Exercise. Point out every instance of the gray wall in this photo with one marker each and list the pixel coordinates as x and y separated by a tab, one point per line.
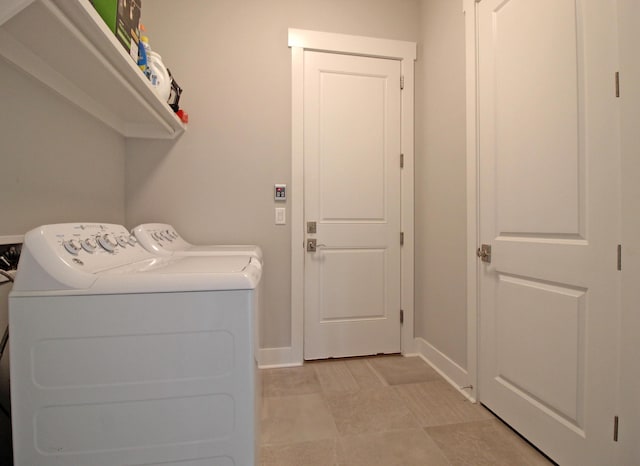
440	180
58	163
231	57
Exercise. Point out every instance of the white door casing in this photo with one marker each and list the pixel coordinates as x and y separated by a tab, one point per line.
352	194
629	409
405	52
549	207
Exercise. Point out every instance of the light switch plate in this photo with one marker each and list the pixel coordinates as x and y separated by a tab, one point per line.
281	216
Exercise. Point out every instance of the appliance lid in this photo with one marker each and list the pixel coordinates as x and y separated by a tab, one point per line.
103	259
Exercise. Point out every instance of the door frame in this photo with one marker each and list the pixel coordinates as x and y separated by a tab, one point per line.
469	8
405	52
629	406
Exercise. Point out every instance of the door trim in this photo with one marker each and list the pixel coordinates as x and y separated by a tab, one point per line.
469	8
629	385
405	52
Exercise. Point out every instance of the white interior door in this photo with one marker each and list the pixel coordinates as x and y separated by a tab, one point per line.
549	208
352	193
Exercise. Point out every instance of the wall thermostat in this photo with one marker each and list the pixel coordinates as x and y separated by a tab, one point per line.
280	192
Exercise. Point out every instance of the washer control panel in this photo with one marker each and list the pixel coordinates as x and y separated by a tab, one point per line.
105	241
89	246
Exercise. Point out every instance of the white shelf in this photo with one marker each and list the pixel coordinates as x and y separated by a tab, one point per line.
66	45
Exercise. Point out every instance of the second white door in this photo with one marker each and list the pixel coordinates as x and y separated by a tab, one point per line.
549	208
352	205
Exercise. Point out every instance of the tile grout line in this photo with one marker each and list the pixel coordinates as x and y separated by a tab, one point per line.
404	402
377	374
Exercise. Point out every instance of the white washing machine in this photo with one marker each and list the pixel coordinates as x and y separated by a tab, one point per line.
121	357
163	239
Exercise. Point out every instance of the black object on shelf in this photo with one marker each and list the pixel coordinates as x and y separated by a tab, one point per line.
174	93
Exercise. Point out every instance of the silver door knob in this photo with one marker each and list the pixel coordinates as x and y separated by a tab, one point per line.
312	245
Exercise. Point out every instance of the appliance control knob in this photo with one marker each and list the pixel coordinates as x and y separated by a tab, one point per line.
167	235
72	246
122	241
132	240
156	236
89	244
107	243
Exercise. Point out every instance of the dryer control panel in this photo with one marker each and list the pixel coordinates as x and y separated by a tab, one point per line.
160	238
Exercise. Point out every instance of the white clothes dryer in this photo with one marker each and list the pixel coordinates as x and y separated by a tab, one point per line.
121	357
163	239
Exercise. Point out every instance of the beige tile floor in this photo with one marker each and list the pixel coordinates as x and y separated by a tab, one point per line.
384	410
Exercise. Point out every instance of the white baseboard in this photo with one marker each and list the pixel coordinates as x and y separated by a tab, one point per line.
445	366
278	357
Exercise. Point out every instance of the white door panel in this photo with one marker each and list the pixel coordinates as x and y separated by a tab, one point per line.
363	269
351	144
352	192
549	207
542	361
536	117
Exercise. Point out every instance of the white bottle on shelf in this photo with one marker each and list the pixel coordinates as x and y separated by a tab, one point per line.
160	79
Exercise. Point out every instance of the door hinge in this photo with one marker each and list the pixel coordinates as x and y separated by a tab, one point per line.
401	316
617	84
401	82
402	238
619	256
401	160
615	428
